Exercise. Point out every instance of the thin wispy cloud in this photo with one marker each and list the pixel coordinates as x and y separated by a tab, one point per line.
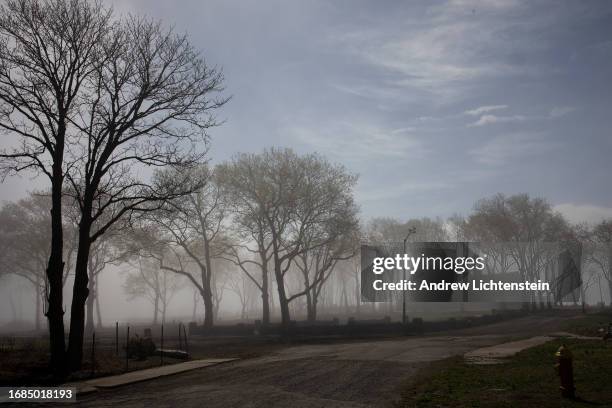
484	109
560	111
492	119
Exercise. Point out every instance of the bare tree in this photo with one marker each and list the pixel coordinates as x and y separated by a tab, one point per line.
25	232
47	50
250	248
601	251
245	290
148	104
220	282
532	234
154	284
316	265
278	198
102	254
24	236
194	224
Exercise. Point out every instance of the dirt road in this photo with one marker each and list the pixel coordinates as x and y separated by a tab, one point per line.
356	374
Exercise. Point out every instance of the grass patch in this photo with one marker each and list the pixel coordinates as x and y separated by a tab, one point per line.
589	324
527	380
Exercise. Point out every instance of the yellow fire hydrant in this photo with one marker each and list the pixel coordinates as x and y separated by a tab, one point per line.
566	371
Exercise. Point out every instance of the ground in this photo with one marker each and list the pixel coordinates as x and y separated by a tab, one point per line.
369	373
528	379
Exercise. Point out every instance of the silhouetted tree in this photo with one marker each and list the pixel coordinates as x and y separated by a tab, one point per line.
48	49
148	104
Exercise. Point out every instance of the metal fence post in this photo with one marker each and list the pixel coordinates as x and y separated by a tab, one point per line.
117	338
179	333
161	349
127	346
93	353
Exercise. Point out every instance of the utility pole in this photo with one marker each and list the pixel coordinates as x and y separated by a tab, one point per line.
411	231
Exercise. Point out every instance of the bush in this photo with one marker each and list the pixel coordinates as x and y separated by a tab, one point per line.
140	348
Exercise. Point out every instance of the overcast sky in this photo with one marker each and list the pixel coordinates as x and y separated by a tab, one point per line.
434	104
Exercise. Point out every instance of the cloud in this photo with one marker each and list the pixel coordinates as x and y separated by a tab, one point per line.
492	119
441	51
512	147
559	111
484	109
579	213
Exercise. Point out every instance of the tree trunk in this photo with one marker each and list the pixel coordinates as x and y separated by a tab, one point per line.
265	291
98	311
243	311
207	295
610	290
310	312
195	306
282	294
79	295
38	304
156	309
357	295
311	307
89	325
55	267
208	307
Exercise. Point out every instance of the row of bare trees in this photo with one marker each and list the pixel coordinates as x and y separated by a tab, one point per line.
91	100
519	233
270	214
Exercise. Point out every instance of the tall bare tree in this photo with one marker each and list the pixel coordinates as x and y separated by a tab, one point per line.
316	265
278	198
25	232
531	232
601	253
195	224
24	236
148	105
48	48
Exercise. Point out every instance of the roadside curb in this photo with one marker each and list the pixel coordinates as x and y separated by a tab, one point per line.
132	377
498	353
